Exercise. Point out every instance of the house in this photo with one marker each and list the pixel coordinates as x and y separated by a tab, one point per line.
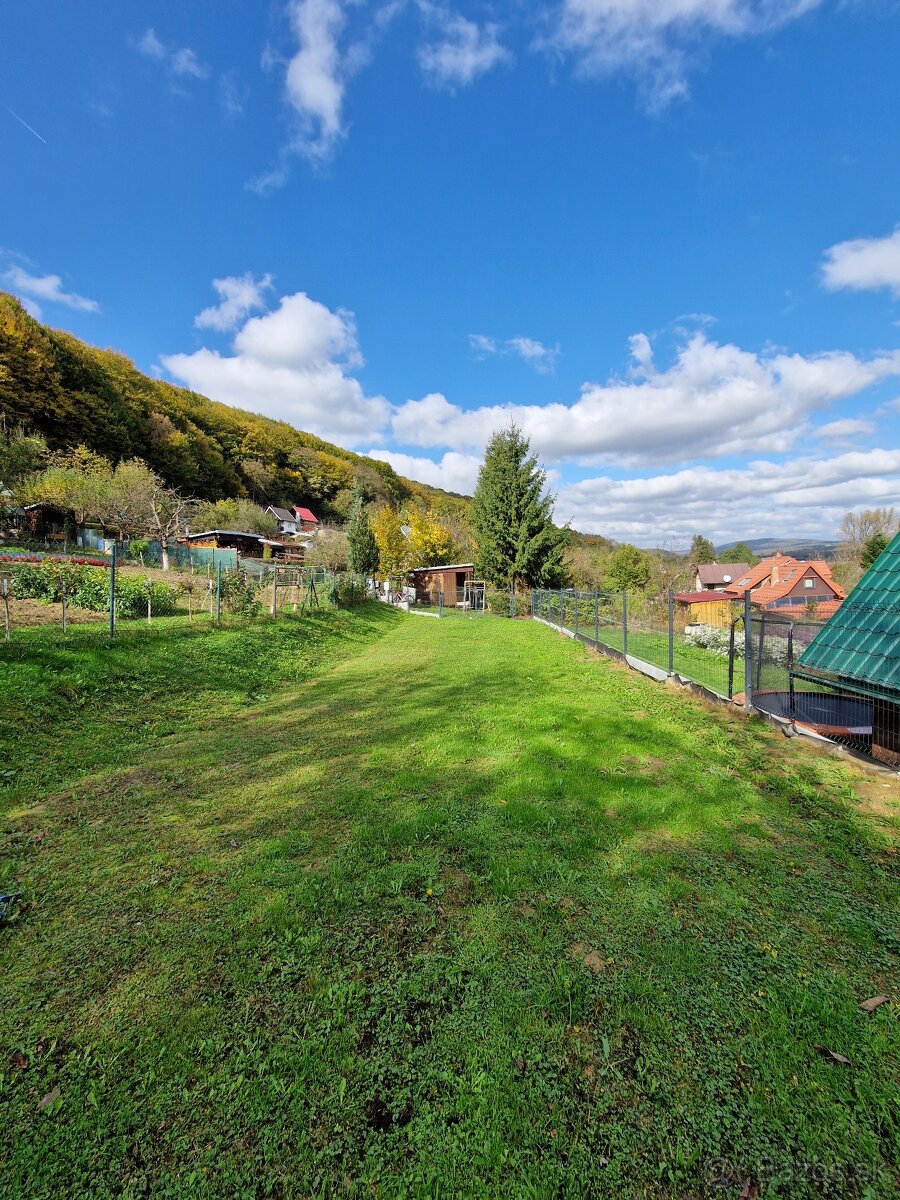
247	545
784	585
286	518
453	582
857	652
706	608
305	519
717	577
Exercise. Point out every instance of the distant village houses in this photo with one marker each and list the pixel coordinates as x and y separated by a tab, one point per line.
779	584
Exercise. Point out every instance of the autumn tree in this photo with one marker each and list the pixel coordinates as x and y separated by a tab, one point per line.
428	542
241	515
517	543
330	549
393	547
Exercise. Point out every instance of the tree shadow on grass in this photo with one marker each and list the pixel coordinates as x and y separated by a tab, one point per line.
460	908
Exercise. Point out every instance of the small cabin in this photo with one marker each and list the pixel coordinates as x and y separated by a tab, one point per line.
454	583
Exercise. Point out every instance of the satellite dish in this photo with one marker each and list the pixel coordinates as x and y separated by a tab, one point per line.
726	579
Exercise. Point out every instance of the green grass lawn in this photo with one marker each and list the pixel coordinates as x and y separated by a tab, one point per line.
363	904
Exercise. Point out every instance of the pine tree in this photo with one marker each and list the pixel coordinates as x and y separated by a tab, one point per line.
741	553
518	544
702	550
872	548
362	557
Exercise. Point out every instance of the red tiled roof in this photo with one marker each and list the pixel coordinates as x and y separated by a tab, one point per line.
776	591
304	514
827	608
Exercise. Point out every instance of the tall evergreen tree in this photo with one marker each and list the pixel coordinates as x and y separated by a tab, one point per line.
702	550
518	544
362	556
872	548
741	553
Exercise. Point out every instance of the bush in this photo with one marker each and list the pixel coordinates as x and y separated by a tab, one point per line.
715	639
497	603
350	590
88	587
239	594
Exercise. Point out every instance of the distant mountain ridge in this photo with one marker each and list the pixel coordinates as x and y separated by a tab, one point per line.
72	393
797	547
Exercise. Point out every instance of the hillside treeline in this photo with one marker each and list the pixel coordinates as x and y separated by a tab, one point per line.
73	394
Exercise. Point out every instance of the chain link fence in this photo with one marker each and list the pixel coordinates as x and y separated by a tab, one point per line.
651	632
103	594
858	710
755	659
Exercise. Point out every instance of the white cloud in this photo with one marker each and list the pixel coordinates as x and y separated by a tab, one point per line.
315	78
151	46
483	344
542	358
847	427
536	354
803	497
180	61
47	287
460	51
454	472
239	295
863	264
713	401
654	40
291	364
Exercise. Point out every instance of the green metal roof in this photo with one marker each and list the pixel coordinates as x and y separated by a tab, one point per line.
861	642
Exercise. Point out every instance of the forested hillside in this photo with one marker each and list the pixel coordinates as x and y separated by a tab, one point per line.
70	393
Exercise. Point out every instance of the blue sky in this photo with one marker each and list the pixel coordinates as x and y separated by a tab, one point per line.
661	234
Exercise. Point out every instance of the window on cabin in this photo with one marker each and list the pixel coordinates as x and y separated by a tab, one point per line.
809	583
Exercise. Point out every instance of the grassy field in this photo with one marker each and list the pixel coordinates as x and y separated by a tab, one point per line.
368	905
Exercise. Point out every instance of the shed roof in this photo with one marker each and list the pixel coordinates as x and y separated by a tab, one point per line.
283	514
305	514
238	533
861	642
444	567
715	573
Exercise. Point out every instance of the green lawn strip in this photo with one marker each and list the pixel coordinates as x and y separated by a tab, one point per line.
71	704
471	912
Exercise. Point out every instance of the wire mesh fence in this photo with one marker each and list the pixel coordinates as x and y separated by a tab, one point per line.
756	659
857	709
473	599
651	630
104	596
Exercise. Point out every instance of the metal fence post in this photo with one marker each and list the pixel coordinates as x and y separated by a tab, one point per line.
112	593
748	655
596	616
791	667
218	591
562	608
533	594
625	623
576	614
274	593
671	632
